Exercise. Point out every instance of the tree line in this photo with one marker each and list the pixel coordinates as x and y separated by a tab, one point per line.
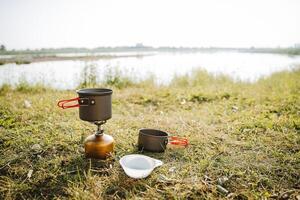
2	47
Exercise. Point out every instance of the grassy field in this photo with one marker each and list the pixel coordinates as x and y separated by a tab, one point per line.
244	141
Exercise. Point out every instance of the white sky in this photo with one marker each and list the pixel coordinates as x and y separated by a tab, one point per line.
92	23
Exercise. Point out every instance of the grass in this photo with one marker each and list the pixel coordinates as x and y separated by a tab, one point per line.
113	77
244	138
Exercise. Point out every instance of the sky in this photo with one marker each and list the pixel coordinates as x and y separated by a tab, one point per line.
191	23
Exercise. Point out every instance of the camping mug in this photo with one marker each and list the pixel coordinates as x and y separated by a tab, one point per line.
94	104
156	141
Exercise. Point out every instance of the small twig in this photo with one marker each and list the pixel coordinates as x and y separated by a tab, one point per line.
186	124
7	164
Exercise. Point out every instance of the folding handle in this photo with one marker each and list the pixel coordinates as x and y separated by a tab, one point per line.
157	162
178	141
62	103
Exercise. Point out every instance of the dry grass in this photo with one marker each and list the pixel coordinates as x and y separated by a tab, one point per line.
248	133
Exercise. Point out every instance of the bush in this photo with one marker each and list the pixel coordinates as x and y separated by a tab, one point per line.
114	77
88	75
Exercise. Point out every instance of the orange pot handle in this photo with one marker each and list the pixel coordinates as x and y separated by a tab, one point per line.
62	103
178	141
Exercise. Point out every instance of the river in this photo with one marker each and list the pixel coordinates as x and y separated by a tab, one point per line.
162	66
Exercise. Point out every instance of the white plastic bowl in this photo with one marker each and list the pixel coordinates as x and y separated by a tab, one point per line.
139	166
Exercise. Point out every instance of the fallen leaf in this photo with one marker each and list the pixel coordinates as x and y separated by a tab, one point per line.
27	104
29	174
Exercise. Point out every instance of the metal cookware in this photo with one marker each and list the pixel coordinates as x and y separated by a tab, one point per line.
156	141
94	104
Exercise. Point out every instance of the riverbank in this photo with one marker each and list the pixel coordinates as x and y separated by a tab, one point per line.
244	141
27	59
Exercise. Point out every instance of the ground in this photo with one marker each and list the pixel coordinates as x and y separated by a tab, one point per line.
244	141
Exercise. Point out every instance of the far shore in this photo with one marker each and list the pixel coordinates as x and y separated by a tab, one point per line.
27	59
43	55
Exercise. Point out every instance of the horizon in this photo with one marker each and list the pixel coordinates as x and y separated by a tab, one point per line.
201	24
152	47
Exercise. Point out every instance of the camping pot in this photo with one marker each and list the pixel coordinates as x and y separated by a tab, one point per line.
94	104
156	141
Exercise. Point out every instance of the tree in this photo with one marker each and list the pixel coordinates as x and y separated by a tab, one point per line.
2	47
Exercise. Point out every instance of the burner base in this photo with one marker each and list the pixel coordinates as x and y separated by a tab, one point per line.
99	146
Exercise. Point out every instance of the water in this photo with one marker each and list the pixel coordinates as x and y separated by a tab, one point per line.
162	66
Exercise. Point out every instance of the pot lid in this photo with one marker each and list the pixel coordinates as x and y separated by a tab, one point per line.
153	132
94	91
